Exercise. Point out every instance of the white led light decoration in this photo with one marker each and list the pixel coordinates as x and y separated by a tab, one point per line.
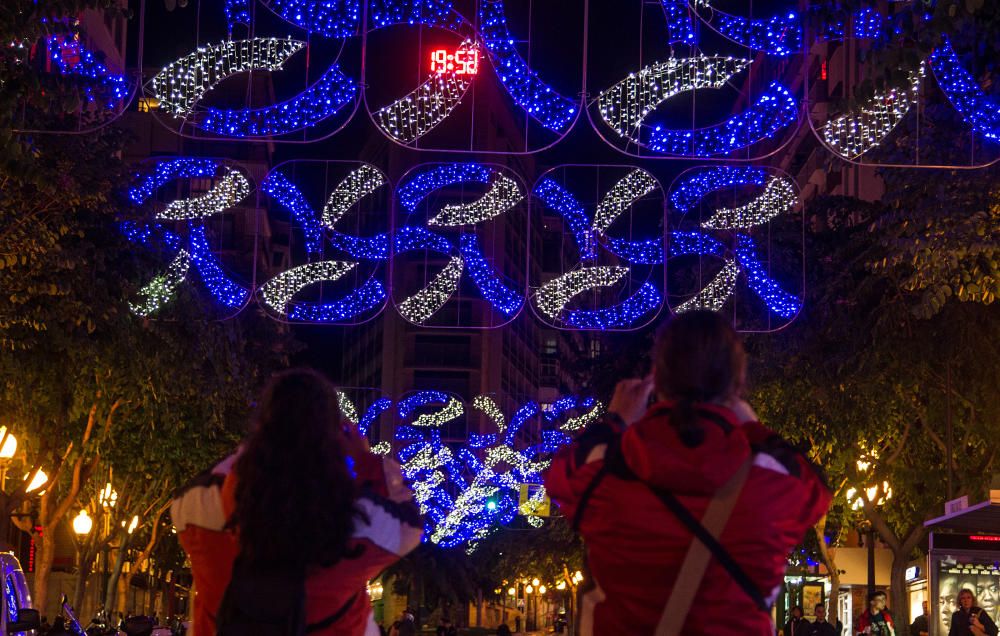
716	293
581	421
278	292
181	84
448	412
623	194
626	104
232	189
347	408
486	404
857	132
778	197
159	291
355	186
415	114
419	307
382	448
553	296
503	195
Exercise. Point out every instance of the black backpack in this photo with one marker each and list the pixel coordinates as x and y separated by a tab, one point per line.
269	603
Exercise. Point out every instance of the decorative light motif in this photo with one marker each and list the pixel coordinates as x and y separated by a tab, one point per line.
435	13
366	298
418	112
419	307
538	99
774	109
503	298
780	35
692	189
680	26
451	410
416	189
778	197
347	408
159	291
649	252
620	316
409	238
372	413
225	290
181	84
277	293
502	196
978	109
237	12
277	186
622	195
382	448
626	104
869	24
327	96
716	293
73	59
232	189
165	171
580	422
687	243
857	132
553	296
559	199
777	300
355	186
329	18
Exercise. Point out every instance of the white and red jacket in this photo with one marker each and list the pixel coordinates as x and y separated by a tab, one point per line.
393	528
635	545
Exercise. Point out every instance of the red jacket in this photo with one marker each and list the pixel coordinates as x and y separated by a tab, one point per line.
635	545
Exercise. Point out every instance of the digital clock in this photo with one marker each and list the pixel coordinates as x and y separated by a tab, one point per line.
461	62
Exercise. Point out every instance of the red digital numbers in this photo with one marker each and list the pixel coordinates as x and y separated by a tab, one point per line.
461	62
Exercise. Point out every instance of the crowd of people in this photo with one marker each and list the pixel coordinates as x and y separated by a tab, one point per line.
683	499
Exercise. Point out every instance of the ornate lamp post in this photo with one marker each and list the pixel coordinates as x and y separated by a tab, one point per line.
874	495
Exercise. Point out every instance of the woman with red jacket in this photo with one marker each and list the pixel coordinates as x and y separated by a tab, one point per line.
306	495
641	484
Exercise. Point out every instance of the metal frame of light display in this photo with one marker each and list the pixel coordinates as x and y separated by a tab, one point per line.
725	235
624	112
408	118
186	238
440	232
355	266
604	260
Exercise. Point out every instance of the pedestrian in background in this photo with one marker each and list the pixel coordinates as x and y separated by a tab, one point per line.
796	625
971	620
876	620
821	626
919	627
640	484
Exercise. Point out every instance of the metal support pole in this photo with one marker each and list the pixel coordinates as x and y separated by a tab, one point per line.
871	557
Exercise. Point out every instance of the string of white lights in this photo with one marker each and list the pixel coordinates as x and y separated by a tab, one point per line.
355	186
382	448
486	404
453	409
415	114
347	408
181	84
232	189
553	296
159	291
623	194
419	307
581	421
503	194
778	197
857	132
626	104
716	293
278	292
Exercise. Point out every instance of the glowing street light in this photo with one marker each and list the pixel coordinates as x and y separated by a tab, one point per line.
534	582
82	524
108	496
511	591
541	589
133	525
9	444
40	480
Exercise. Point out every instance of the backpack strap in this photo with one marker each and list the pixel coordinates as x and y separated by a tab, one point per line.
333	618
706	532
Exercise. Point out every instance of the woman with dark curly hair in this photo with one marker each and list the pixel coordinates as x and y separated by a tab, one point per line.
306	496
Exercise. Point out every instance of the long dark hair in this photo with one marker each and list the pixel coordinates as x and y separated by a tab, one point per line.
295	495
698	357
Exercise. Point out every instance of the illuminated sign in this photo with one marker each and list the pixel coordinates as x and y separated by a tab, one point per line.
979	537
461	62
912	572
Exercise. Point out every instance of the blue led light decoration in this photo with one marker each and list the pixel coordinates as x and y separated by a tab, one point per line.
779	35
553	298
360	271
680	25
191	249
328	18
539	100
434	13
101	86
457	241
980	111
776	196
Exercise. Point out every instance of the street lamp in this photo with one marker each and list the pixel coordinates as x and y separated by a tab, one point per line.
82	524
874	495
7	449
40	480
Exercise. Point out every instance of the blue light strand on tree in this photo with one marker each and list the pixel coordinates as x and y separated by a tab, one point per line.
979	110
329	18
774	110
539	100
324	99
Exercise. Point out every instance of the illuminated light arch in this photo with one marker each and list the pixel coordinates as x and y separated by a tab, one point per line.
181	84
779	35
979	110
543	104
567	206
621	196
355	186
714	295
277	186
329	18
325	98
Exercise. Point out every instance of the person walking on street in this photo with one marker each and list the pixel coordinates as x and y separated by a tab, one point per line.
796	625
919	627
971	620
821	626
695	478
876	620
